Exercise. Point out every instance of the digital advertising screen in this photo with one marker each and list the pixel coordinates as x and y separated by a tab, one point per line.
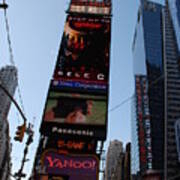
143	122
102	7
71	114
71	146
79	86
84	53
69	108
75	167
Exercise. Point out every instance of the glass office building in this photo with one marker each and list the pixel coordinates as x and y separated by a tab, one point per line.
148	119
172	90
156	108
174	7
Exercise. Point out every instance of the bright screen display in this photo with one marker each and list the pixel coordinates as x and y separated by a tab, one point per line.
84	51
76	167
69	108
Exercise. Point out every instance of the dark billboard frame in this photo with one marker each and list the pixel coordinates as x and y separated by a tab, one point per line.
65	130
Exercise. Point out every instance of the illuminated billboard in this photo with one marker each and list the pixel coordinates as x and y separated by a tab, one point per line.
90	7
73	108
75	167
75	114
65	146
83	60
143	122
81	86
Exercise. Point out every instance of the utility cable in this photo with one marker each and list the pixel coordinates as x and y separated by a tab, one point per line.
120	104
11	55
131	97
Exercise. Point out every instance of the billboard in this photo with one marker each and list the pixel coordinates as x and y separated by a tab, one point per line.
75	146
83	59
75	167
90	7
75	112
73	108
143	122
80	86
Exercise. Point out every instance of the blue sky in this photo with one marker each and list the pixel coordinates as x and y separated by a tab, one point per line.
36	28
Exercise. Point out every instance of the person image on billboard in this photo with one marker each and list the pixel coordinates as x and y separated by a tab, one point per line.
72	110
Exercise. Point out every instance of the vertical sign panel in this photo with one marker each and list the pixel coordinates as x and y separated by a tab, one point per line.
83	60
143	117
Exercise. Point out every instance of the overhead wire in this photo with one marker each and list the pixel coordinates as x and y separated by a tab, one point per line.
12	56
120	104
131	97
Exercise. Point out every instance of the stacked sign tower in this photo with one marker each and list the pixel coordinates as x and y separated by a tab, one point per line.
74	122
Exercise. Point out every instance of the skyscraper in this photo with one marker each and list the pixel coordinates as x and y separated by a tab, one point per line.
114	150
8	78
172	87
174	8
148	106
118	162
157	97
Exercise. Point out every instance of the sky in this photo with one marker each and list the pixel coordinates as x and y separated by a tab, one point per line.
36	29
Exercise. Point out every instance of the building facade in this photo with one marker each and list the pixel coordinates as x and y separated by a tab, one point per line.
148	98
6	159
127	159
157	98
172	94
8	78
174	9
118	162
114	151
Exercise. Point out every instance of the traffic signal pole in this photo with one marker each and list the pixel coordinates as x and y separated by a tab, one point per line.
20	173
14	102
3	6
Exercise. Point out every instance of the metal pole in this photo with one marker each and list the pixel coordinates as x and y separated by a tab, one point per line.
20	174
13	100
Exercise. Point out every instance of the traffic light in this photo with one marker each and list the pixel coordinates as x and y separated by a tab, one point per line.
30	140
20	133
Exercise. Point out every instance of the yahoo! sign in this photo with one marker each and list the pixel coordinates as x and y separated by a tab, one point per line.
75	166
